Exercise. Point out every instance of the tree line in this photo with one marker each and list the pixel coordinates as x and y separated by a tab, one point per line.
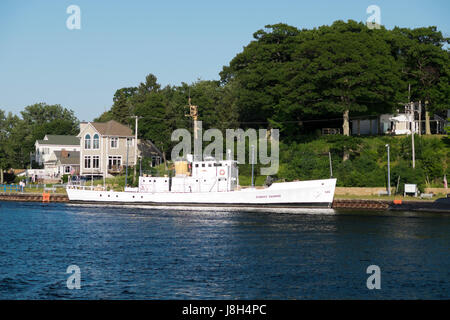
287	77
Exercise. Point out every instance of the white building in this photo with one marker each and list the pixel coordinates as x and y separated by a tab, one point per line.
44	148
63	162
402	123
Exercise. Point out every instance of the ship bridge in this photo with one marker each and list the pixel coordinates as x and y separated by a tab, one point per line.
208	175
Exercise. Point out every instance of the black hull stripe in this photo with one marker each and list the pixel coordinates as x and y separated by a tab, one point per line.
222	205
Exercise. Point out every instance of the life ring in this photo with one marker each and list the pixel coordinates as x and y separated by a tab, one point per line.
222	172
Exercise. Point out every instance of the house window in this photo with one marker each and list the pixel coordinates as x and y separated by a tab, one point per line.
87	162
87	141
67	169
96	144
114	162
114	143
95	162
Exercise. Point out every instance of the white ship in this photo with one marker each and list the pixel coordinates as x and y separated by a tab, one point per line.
210	183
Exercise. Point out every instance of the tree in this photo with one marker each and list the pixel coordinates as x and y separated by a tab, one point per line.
18	135
286	75
352	70
258	77
121	110
4	159
425	66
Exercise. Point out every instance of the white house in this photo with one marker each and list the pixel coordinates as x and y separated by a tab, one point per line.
63	162
44	148
402	123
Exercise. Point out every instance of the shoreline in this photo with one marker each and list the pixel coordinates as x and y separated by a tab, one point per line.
441	205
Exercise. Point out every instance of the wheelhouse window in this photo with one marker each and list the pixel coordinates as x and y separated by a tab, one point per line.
87	141
87	162
96	142
114	143
95	162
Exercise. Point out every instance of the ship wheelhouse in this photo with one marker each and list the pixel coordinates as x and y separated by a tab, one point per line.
208	175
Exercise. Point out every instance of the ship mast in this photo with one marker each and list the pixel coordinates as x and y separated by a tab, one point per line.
193	113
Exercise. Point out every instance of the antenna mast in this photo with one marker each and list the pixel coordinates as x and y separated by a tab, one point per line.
193	113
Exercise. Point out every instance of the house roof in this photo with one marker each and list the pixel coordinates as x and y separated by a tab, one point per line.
60	140
112	128
148	149
68	157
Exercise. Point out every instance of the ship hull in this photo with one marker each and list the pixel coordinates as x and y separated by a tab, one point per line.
299	194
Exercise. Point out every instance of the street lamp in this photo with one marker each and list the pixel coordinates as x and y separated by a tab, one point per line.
253	162
389	171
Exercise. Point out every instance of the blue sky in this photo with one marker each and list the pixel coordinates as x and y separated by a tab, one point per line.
178	41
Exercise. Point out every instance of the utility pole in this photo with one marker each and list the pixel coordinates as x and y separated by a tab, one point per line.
331	165
389	171
135	147
420	118
126	166
412	140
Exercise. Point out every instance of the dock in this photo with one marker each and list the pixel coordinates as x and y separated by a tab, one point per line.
441	205
34	197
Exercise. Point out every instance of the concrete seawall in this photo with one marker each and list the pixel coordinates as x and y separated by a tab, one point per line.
33	197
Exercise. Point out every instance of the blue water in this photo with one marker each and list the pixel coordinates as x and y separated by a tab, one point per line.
142	253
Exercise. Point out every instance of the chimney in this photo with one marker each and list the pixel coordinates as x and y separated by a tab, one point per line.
83	125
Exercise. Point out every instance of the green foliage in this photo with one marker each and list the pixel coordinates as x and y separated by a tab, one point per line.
18	135
447	128
367	166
